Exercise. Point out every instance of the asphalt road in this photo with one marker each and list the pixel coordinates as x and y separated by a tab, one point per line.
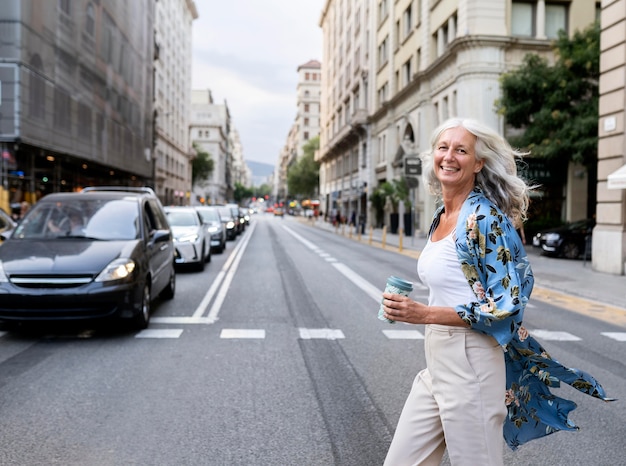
272	355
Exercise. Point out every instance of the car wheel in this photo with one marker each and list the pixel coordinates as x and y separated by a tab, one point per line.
570	250
142	317
169	291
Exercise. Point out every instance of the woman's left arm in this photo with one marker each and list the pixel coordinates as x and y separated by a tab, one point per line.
495	264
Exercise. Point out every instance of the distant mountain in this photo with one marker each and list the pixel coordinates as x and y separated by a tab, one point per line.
260	172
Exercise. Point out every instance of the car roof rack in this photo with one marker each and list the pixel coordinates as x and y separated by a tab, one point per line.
132	189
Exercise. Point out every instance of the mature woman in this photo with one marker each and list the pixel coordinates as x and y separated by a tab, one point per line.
485	375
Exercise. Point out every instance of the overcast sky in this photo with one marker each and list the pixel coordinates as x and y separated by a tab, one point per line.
247	53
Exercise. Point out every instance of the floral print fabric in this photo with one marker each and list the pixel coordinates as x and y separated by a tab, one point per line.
496	266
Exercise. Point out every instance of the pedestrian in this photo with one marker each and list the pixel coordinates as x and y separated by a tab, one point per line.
485	377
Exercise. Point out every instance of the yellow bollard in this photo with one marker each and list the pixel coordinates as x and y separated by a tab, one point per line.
371	234
384	237
400	239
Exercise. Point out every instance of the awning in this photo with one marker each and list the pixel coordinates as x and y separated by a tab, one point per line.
617	179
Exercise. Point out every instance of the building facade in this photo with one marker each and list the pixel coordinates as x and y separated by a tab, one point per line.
77	96
609	235
422	61
306	124
172	152
210	131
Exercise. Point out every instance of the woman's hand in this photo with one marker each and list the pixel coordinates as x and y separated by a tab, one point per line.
403	309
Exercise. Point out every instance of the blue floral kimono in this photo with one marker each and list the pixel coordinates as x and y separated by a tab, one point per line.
496	266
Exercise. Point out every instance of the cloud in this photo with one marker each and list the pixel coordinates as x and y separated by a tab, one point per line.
247	52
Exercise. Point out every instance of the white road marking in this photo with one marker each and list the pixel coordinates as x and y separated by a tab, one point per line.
180	320
232	333
218	280
372	291
160	333
555	336
403	334
331	259
321	333
617	336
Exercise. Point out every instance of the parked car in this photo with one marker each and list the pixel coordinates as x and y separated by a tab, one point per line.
238	214
570	241
192	242
215	227
7	224
229	220
114	266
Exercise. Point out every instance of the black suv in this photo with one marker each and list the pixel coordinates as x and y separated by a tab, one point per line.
100	253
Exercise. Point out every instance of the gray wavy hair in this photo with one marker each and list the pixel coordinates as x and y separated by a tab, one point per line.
498	178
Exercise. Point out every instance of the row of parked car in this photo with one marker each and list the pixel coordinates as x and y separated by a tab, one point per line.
106	252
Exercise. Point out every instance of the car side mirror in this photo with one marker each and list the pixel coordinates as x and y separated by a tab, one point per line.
161	236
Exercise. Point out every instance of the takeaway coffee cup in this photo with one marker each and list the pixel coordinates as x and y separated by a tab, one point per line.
397	286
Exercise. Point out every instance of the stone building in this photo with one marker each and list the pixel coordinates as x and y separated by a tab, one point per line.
77	96
609	235
172	100
306	124
210	130
392	70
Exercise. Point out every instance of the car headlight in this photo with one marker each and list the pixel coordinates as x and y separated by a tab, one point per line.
230	225
188	238
3	276
552	236
213	229
119	269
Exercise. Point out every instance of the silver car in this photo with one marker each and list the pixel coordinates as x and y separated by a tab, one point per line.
216	228
191	238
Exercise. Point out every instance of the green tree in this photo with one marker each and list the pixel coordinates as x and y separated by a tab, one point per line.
241	193
303	177
556	106
201	166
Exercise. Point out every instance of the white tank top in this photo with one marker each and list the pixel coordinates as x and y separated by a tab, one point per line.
439	269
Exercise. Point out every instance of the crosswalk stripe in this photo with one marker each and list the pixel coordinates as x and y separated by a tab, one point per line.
160	333
236	333
554	336
403	334
618	336
321	333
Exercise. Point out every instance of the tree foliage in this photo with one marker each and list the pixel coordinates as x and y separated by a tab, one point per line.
241	193
303	176
201	166
556	106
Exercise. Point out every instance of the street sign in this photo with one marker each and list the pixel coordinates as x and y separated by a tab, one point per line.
412	166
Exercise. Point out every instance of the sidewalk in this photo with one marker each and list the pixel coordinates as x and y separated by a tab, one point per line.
569	277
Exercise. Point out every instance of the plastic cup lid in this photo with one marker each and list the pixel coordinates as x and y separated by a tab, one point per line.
400	283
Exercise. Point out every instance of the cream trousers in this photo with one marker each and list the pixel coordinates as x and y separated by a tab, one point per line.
457	403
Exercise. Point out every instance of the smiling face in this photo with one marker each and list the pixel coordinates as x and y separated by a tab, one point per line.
455	162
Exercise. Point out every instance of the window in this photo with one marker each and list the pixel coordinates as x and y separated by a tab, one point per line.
306	107
406	73
306	135
522	19
306	76
383	10
306	122
90	20
556	19
383	51
407	18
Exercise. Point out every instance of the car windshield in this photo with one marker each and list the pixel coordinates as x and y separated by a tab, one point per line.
102	219
226	212
182	218
209	215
